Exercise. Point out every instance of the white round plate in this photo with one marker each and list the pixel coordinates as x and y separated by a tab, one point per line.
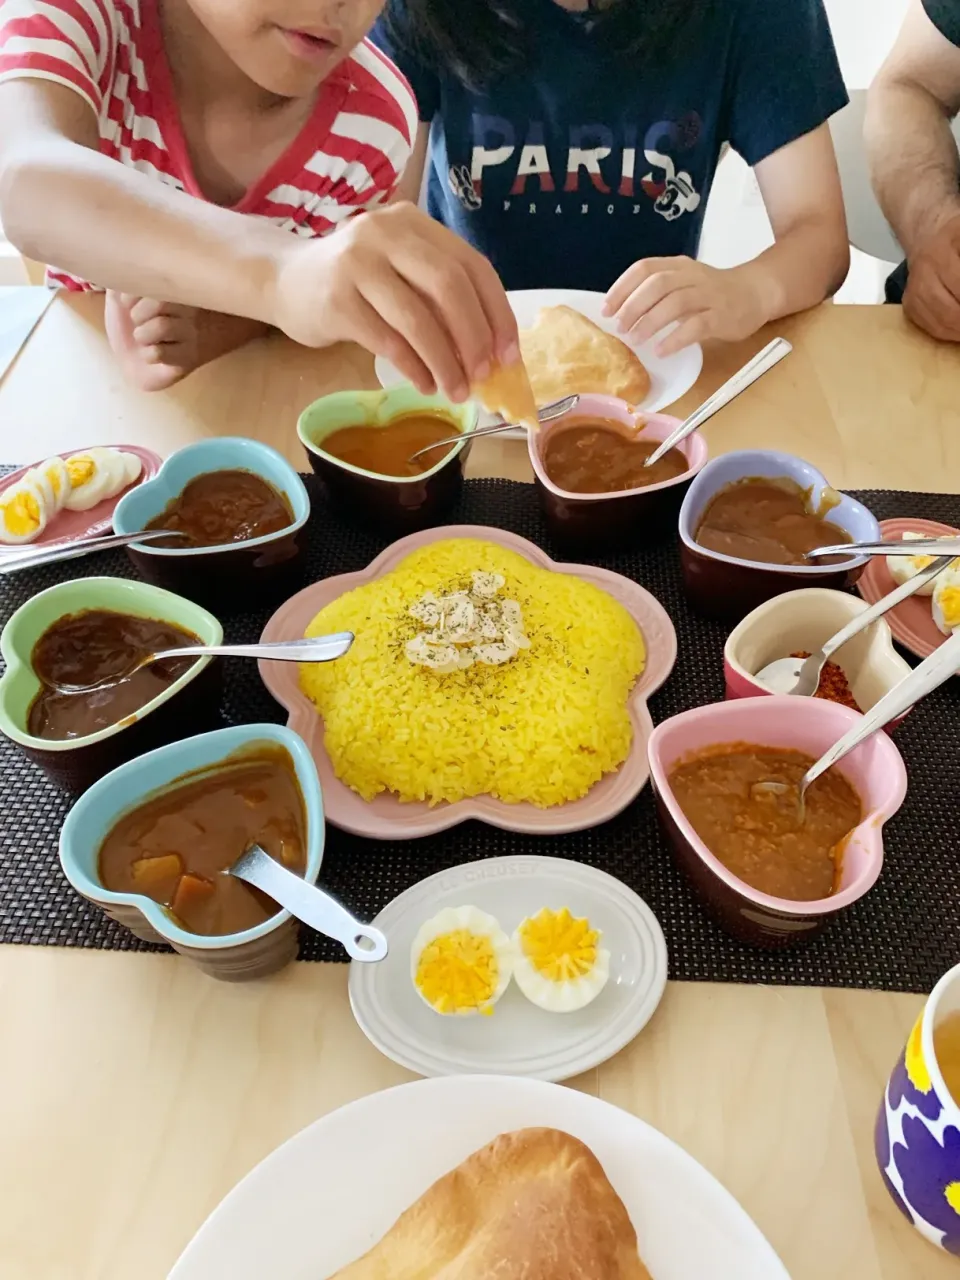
518	1039
329	1194
670	376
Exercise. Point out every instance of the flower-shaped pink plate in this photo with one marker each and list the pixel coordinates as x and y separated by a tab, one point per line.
385	818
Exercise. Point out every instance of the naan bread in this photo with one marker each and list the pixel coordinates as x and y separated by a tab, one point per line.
567	354
507	391
533	1205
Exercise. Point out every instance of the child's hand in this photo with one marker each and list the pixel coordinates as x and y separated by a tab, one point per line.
706	301
403	287
157	343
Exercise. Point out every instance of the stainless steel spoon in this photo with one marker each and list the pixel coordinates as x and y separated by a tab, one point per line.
761	363
16	559
919	547
931	673
311	905
801	676
320	649
547	414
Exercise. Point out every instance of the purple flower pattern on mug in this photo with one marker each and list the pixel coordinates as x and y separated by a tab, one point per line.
930	1172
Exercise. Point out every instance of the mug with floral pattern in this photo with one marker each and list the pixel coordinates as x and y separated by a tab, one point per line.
918	1128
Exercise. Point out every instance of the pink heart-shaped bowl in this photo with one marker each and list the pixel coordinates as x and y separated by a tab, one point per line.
386	818
875	770
594	521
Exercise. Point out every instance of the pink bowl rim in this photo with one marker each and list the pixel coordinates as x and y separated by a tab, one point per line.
767	708
694	447
411	821
730	654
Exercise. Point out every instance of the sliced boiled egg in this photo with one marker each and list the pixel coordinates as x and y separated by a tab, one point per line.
94	476
133	468
559	964
54	470
24	512
903	568
461	962
946	600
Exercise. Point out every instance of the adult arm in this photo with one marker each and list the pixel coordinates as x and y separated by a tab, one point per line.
913	154
914	160
391	280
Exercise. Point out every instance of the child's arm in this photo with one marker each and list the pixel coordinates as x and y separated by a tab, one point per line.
392	280
809	261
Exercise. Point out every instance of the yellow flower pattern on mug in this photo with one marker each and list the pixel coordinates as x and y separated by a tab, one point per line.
916	1067
952	1195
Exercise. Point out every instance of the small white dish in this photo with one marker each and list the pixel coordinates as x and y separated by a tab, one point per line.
670	376
518	1039
328	1195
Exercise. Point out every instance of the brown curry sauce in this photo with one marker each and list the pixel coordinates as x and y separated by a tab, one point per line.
175	846
755	835
221	507
599	456
386	450
767	521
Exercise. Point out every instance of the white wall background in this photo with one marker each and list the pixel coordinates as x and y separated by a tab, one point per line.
736	227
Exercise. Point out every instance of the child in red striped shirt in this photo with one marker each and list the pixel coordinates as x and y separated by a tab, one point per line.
190	156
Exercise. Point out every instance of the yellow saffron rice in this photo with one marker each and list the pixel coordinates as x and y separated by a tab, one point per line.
544	727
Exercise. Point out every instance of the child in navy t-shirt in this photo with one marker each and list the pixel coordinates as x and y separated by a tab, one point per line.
575	142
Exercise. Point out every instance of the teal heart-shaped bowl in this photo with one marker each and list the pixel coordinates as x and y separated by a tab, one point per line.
253	953
75	763
228	577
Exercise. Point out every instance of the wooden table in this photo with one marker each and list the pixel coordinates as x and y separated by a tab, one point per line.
134	1092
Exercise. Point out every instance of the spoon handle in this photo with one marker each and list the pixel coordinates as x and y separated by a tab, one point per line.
14	561
320	649
761	363
311	905
931	673
547	414
920	547
890	601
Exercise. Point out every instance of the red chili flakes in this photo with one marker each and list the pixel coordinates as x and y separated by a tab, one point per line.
833	686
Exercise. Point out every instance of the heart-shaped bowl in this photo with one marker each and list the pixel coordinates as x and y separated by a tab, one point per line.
875	770
76	763
723	586
804	621
262	570
252	953
597	521
394	504
386	818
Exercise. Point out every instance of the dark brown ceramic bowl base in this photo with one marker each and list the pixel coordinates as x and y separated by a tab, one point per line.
264	575
608	524
194	709
387	506
739	916
717	589
249	960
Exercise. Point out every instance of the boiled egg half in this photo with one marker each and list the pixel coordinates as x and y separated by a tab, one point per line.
903	568
461	962
946	600
97	475
559	964
24	511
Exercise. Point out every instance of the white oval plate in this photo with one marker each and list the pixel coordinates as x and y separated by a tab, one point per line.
329	1194
670	376
518	1039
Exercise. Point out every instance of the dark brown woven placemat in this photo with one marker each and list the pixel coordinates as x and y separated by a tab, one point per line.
902	937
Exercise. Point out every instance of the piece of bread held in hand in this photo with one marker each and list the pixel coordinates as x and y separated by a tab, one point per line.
567	354
507	391
532	1205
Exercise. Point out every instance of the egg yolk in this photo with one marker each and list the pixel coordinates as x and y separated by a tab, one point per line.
21	515
559	946
458	971
950	605
54	476
80	470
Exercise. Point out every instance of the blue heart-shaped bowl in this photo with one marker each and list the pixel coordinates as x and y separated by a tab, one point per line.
264	568
235	956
